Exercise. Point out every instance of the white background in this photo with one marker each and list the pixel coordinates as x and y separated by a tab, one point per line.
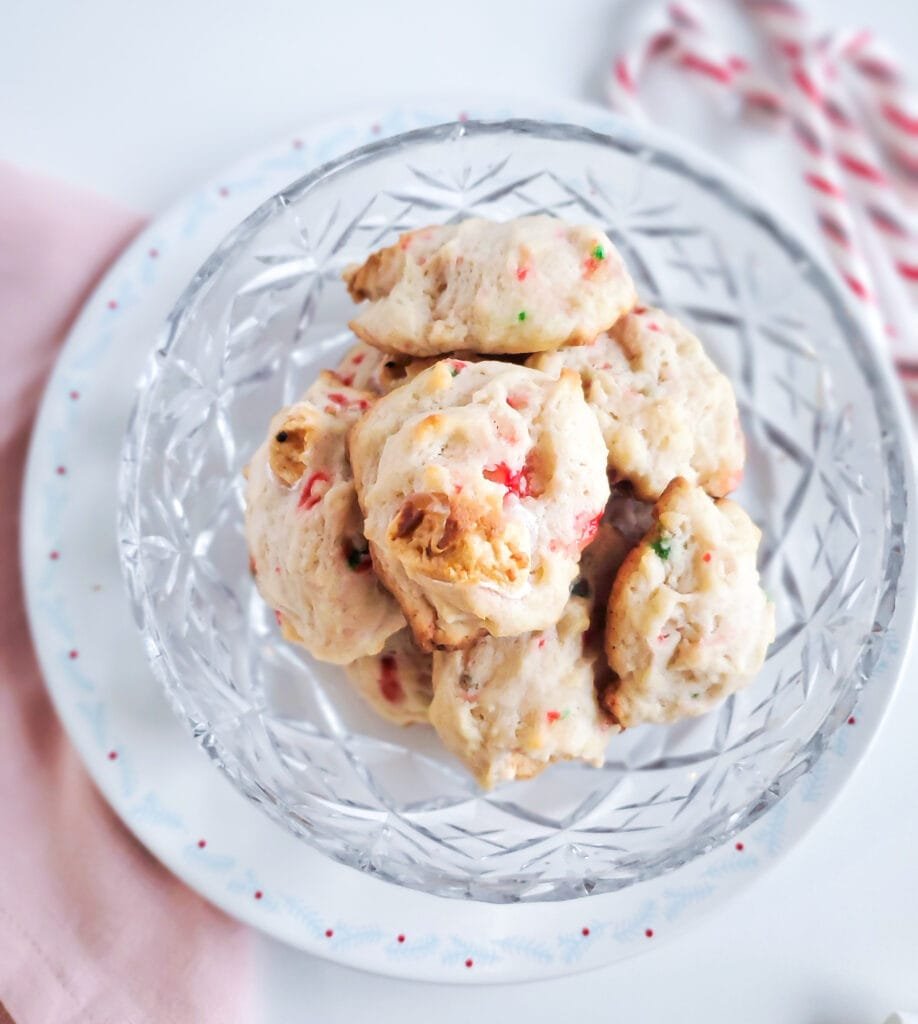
143	100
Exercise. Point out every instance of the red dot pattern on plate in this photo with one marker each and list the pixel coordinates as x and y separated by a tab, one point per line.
223	191
376	128
584	932
73	655
297	143
202	843
469	962
61	470
852	720
329	933
258	894
740	847
153	254
112	304
648	932
113	755
54	556
463	116
74	395
400	938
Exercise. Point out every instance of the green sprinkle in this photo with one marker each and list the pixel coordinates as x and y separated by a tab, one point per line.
453	371
580	588
566	714
662	546
599	253
521	315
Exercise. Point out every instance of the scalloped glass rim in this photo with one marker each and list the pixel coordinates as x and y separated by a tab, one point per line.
887	408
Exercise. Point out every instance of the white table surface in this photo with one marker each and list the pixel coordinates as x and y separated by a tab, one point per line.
142	101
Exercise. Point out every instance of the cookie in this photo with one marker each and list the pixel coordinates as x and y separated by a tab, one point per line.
304	529
526	285
371	369
508	707
480	484
664	408
396	683
688	622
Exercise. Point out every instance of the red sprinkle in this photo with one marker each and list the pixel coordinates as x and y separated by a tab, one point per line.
338	398
640	310
517	401
389	685
278	618
654	326
358	359
740	847
517	481
587	527
908	270
590	266
309	500
552	716
521	273
707	556
584	932
541	642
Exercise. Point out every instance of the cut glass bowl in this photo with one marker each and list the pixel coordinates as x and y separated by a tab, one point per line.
826	481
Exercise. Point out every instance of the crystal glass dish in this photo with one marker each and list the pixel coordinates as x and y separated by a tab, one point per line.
826	480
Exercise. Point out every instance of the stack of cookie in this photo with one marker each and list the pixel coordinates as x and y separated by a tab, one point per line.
504	511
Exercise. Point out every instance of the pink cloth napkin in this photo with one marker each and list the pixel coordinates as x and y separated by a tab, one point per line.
92	929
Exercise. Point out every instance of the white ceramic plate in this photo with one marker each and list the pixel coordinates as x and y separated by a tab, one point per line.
154	774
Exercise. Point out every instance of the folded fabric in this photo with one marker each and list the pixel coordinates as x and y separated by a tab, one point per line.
92	929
